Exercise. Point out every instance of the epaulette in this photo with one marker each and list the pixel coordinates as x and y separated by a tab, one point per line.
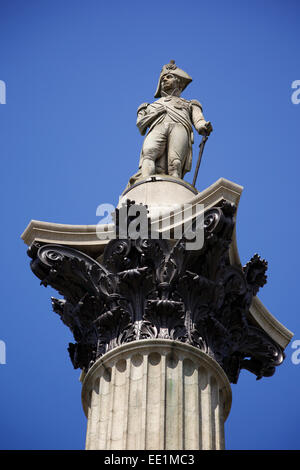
142	106
196	103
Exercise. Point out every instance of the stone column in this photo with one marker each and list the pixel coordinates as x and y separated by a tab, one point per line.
159	329
156	394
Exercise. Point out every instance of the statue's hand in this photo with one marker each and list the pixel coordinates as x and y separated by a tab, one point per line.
206	128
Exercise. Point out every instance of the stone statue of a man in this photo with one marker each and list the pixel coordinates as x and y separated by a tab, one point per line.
167	148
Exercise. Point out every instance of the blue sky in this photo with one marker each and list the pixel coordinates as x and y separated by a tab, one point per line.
75	73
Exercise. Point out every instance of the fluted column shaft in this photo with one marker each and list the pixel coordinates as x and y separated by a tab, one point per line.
156	395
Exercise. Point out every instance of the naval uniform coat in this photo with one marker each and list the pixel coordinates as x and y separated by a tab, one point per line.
176	109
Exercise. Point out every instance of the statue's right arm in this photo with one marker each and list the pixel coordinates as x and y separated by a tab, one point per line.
141	112
146	115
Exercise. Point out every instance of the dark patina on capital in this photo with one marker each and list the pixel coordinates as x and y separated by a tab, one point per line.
149	288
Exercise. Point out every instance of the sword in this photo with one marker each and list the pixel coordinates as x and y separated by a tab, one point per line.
201	147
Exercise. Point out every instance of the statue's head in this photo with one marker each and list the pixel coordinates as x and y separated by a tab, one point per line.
172	77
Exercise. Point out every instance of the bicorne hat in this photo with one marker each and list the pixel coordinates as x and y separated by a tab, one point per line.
171	67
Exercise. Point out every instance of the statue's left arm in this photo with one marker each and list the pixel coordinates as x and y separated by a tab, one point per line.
201	125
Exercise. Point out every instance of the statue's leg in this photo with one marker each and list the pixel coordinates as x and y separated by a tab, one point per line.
161	165
148	167
178	147
154	148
